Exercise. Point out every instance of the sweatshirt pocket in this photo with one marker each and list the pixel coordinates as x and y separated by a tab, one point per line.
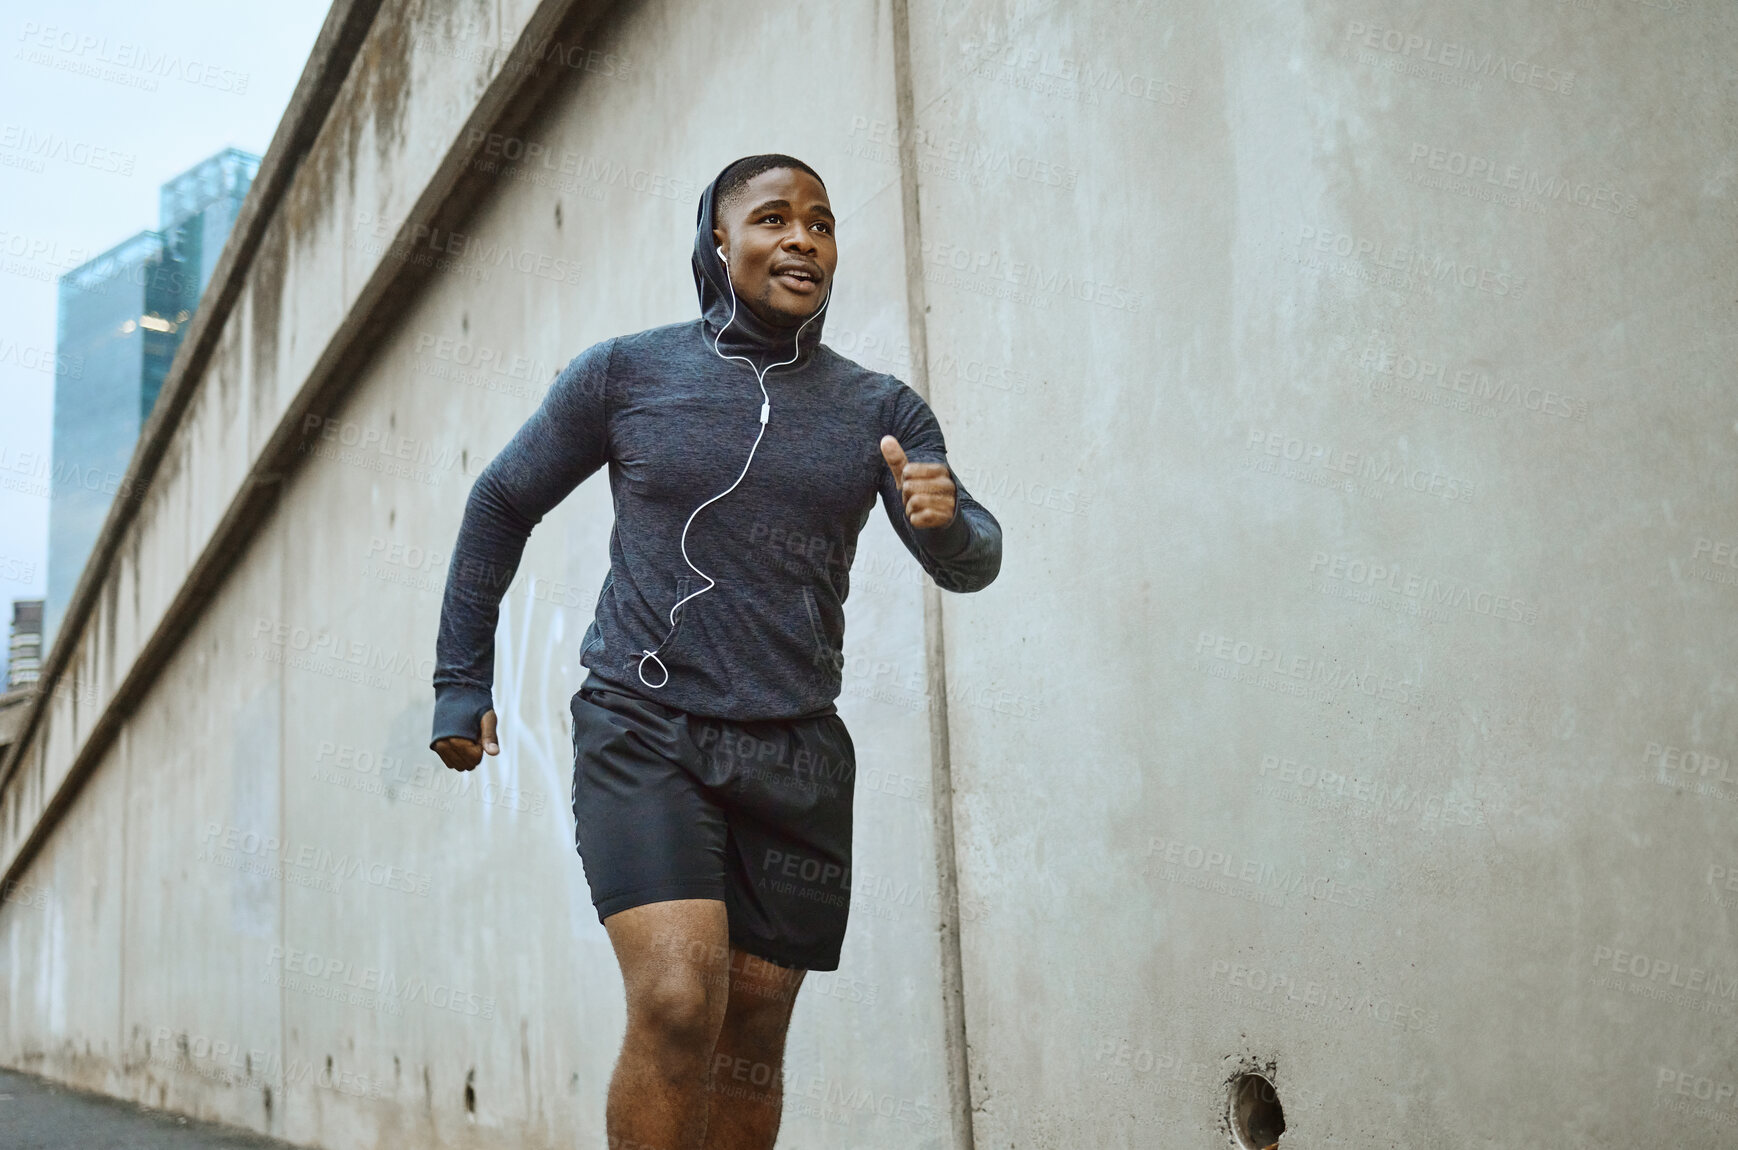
593	640
824	654
684	586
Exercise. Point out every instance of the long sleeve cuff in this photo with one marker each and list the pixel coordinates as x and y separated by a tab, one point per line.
947	541
459	710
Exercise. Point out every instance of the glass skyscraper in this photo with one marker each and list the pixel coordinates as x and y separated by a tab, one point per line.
121	319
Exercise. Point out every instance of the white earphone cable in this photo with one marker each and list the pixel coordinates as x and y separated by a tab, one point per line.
765	414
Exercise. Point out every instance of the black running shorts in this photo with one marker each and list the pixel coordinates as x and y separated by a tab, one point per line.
669	805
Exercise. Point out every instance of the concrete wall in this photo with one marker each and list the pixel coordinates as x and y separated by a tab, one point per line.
1352	705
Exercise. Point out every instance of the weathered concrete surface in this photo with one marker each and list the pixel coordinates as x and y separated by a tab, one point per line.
1425	944
1224	308
12	704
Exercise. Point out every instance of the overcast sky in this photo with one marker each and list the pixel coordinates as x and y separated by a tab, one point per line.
81	158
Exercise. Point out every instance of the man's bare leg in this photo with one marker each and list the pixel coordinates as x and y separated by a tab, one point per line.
747	1091
675	966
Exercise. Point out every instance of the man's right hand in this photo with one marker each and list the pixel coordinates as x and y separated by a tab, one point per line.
463	754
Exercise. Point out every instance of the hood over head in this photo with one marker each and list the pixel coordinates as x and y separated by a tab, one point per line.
746	333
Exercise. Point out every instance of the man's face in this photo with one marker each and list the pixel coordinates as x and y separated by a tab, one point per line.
777	235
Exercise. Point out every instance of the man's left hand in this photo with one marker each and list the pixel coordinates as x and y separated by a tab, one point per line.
926	488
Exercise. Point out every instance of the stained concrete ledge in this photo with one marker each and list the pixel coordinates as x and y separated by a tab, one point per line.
12	708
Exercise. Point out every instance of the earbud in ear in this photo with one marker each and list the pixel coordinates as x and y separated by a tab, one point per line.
722	256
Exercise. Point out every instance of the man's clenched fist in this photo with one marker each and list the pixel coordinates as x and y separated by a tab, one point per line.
462	754
926	488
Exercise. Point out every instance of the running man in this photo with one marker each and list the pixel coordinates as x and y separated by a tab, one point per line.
713	775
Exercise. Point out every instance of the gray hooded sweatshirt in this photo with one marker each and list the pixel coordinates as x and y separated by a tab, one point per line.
675	422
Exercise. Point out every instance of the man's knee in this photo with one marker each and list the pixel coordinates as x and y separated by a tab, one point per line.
679	1011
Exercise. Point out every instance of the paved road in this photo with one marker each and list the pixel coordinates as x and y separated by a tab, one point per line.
39	1115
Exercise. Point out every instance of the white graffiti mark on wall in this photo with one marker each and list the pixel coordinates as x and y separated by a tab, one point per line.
536	750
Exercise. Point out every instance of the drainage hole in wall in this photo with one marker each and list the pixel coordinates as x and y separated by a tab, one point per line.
1257	1119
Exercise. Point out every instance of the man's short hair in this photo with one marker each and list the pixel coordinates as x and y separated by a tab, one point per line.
736	177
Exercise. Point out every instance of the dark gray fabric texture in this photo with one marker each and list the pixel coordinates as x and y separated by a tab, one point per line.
755	813
674	422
